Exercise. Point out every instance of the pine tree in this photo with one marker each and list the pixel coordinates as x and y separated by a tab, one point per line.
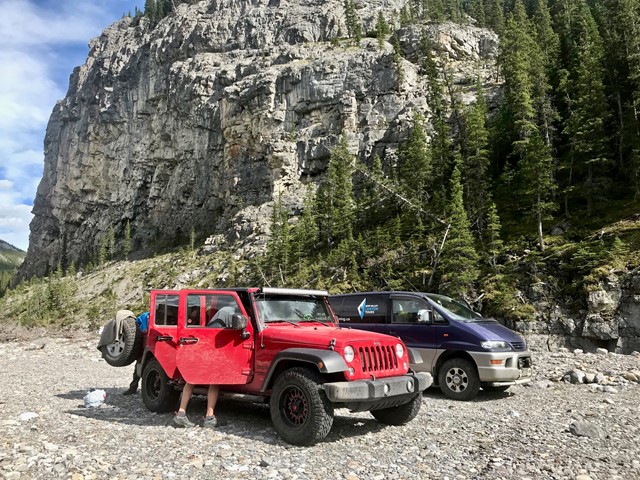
304	235
335	201
102	250
414	164
475	164
494	15
441	148
398	61
527	107
151	11
459	263
537	182
493	244
382	28
354	26
588	105
111	243
476	9
127	241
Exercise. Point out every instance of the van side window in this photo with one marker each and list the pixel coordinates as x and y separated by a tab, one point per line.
405	310
437	318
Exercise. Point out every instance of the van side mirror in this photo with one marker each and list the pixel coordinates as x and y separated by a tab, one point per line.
424	316
239	322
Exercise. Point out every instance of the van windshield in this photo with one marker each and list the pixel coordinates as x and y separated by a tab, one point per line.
285	308
455	309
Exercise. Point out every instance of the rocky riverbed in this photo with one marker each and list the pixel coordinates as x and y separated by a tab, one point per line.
551	429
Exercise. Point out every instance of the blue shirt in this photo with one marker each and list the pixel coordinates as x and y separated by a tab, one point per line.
142	321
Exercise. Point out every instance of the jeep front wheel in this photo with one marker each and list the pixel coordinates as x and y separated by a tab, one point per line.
399	415
300	411
158	394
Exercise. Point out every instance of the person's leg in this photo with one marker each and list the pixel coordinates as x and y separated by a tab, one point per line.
181	417
133	386
210	420
212	399
186	396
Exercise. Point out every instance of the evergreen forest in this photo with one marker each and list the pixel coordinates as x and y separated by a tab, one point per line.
468	205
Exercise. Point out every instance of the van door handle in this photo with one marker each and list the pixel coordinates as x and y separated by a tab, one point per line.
163	338
188	340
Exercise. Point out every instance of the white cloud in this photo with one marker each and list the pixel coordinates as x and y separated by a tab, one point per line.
40	44
14	225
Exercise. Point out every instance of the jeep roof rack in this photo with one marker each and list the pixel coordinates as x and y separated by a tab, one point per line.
292	291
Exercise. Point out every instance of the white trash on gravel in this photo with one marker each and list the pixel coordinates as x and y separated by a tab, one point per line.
26	416
94	398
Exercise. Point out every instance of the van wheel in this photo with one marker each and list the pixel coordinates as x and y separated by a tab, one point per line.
158	394
458	379
300	411
127	348
492	389
399	415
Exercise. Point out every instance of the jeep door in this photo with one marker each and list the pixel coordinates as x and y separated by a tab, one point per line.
412	319
163	329
208	351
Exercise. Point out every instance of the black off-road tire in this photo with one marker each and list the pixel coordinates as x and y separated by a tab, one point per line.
492	389
127	349
399	415
458	379
158	394
300	410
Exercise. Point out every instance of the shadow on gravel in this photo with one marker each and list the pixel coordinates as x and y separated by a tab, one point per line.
246	419
483	396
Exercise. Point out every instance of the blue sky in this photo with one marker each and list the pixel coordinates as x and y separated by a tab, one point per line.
40	44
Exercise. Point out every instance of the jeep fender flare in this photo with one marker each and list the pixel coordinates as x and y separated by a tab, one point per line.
146	356
326	361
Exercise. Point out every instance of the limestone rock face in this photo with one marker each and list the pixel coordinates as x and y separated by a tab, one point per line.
199	123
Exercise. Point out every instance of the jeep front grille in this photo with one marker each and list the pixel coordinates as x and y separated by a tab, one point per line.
379	358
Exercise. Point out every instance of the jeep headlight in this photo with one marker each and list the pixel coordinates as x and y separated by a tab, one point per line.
348	353
399	350
496	345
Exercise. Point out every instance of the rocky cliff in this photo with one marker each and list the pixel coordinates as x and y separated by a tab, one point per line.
200	122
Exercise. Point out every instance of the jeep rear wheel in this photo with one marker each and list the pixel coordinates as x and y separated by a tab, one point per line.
158	394
399	415
458	379
127	348
300	411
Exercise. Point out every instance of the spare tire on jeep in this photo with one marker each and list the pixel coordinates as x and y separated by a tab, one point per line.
127	348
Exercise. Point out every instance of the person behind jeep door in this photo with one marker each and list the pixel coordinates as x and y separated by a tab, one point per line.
222	319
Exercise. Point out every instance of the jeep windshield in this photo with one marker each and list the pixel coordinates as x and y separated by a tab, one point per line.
292	309
455	309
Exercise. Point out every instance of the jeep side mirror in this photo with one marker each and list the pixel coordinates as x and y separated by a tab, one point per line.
424	316
239	322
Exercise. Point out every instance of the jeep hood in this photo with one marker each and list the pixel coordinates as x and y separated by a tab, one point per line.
320	336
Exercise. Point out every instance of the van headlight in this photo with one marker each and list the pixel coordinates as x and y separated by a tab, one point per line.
399	350
496	345
348	353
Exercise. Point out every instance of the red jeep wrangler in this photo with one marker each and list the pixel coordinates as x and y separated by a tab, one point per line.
283	345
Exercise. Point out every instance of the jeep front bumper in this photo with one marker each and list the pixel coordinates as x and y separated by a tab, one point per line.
362	395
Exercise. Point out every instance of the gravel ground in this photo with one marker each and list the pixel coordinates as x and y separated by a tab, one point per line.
552	429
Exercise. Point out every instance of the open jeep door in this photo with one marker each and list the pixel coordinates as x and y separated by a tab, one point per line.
209	350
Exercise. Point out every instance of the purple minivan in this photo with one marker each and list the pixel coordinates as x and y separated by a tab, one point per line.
462	350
